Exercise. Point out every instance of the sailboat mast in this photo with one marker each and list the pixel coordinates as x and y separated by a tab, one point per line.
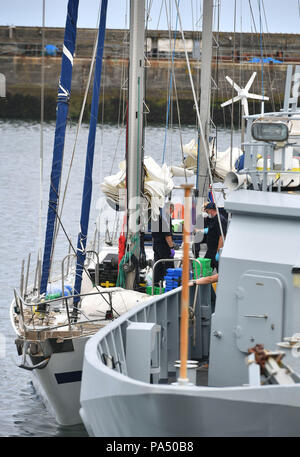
203	177
63	98
135	122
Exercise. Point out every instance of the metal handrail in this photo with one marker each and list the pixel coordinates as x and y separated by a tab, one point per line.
172	260
63	270
67	297
20	302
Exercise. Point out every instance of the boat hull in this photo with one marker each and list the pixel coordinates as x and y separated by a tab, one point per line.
59	383
130	404
132	409
126	416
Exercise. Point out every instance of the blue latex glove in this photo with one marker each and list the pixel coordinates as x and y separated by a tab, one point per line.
205	230
172	253
217	257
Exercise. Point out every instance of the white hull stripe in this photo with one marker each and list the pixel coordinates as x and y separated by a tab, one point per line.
68	54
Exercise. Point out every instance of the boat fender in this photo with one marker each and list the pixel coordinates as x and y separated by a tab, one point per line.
122	246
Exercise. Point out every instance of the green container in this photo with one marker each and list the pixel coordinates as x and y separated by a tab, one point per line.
206	267
156	290
149	290
52	296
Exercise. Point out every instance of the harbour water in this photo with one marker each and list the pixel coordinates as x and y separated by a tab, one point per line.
22	412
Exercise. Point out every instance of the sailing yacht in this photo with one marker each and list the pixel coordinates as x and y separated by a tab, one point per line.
54	320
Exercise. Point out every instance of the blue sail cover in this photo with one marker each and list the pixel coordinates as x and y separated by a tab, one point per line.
88	178
64	91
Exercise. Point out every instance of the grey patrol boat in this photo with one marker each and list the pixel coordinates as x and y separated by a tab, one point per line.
127	387
251	385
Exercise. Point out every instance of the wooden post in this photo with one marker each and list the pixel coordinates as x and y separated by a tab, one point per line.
184	322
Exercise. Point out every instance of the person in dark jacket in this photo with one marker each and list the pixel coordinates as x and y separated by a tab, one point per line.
163	246
214	236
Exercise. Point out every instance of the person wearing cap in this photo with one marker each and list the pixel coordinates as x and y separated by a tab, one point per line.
214	236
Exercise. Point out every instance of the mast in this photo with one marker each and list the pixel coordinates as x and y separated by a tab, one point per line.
203	178
63	99
42	130
135	125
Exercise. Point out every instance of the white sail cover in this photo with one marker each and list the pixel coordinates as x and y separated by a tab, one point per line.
158	184
220	164
122	301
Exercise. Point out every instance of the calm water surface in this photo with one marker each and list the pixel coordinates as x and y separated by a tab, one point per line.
22	412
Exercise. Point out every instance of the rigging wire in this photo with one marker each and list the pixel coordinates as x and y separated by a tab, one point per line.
241	120
179	125
148	10
199	119
161	7
122	98
217	71
261	56
74	250
198	87
232	89
251	11
263	5
275	78
192	14
102	121
171	78
253	25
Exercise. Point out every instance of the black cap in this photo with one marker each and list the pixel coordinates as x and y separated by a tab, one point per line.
210	205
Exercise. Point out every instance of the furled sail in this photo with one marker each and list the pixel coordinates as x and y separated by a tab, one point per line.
64	92
220	163
158	184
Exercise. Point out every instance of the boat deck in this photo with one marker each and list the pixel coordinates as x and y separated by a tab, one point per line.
201	376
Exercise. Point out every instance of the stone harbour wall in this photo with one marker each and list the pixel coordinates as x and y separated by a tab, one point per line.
21	63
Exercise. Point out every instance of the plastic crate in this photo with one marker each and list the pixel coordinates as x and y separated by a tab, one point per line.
157	290
206	267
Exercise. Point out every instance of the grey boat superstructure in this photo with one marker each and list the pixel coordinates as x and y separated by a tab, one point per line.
128	406
134	359
257	303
